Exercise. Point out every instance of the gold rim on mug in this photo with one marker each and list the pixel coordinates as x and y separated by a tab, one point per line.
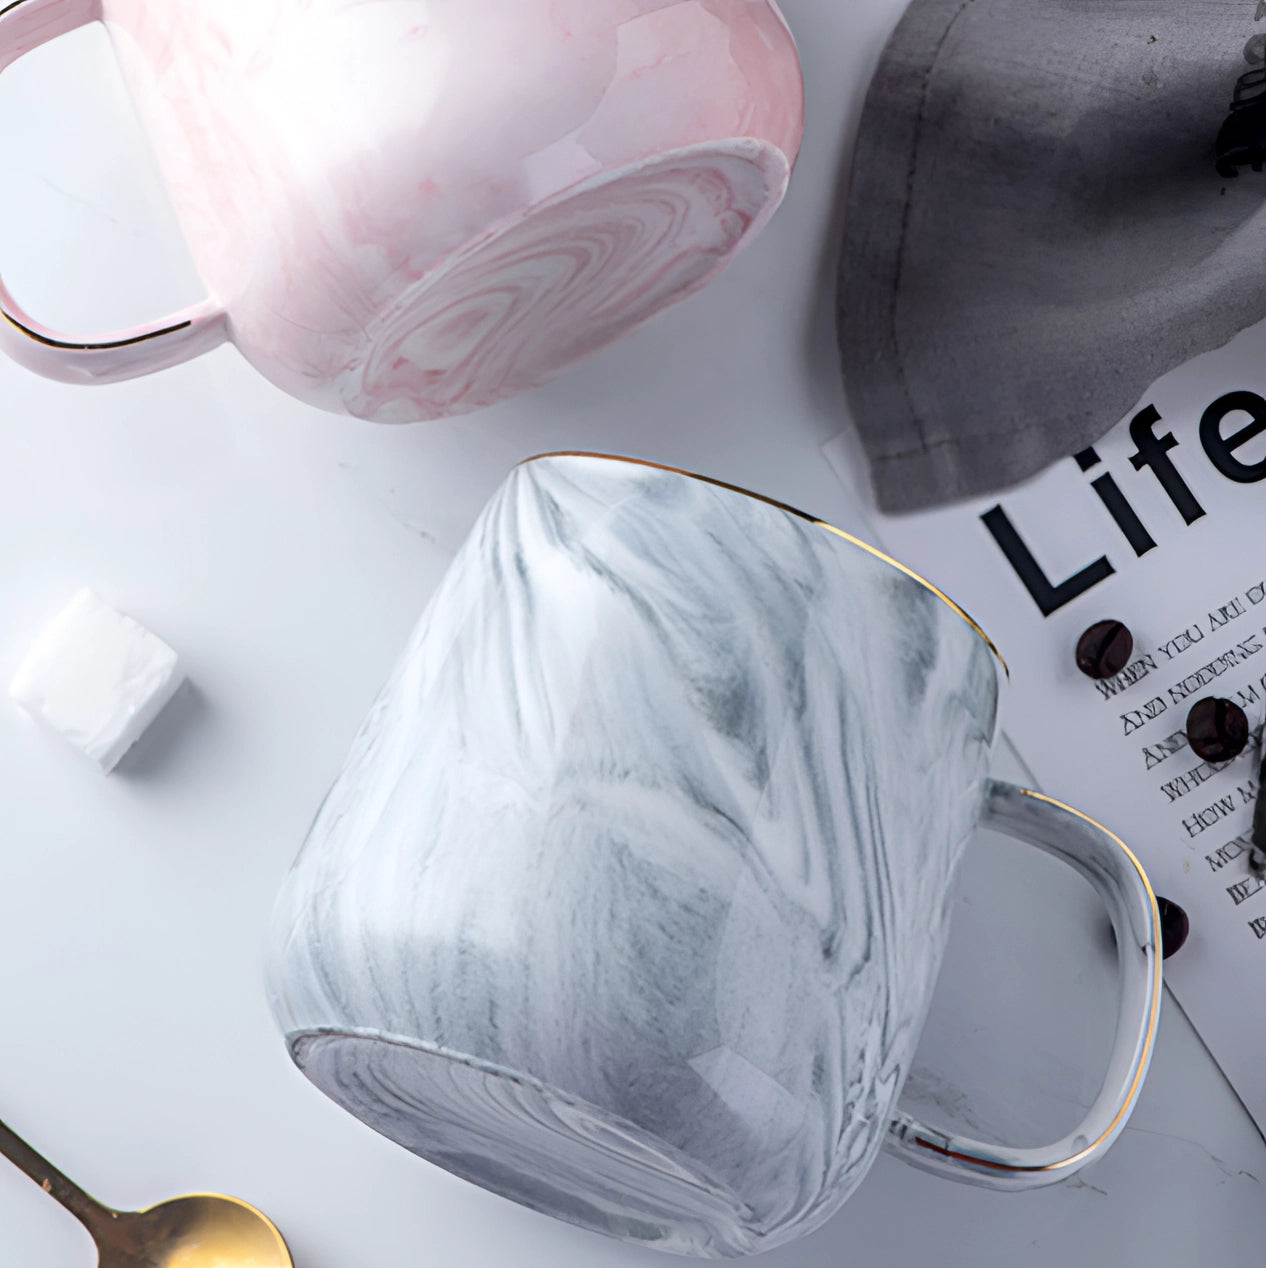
1149	1037
791	510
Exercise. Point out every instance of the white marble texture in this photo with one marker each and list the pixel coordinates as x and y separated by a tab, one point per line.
630	899
287	554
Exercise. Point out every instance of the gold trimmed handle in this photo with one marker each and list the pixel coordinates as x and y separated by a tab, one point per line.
1109	865
125	354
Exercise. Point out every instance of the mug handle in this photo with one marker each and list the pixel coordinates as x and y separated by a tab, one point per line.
126	354
1108	864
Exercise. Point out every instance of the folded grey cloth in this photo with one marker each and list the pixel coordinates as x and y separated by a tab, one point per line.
1052	203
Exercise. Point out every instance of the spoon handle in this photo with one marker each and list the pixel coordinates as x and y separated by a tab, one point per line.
87	1210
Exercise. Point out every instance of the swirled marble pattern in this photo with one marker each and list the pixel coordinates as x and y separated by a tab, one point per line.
386	198
630	899
561	283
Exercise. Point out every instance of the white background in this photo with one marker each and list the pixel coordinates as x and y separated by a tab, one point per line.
285	554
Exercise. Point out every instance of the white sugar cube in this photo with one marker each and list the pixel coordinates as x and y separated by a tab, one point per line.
98	678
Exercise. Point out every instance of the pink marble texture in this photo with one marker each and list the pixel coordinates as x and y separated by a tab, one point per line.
408	209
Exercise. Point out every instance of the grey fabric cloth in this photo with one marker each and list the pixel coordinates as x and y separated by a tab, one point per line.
1037	227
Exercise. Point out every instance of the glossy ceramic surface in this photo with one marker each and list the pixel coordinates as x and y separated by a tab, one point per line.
630	900
414	209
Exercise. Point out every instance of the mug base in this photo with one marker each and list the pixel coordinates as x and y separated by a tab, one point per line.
514	1135
561	280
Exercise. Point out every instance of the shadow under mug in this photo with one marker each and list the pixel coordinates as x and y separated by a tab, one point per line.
411	210
631	898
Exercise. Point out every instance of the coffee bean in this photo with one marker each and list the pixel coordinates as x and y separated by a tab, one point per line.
1217	729
1257	861
1103	651
1174	926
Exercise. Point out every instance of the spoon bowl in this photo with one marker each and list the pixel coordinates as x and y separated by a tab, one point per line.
201	1230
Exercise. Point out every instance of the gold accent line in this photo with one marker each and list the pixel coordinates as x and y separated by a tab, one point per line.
1148	1039
791	510
81	347
87	347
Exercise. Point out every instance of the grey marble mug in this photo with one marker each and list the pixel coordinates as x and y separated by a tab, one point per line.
630	900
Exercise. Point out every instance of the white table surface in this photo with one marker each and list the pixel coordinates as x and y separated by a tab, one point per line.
286	553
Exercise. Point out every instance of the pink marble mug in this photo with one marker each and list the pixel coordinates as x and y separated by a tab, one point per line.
413	209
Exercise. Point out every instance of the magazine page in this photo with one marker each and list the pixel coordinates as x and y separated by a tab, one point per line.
1161	527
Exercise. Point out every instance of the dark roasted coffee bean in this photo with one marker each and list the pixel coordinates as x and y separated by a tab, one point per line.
1174	926
1103	651
1258	859
1217	729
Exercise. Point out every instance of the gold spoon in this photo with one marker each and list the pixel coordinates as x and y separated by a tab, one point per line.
199	1231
